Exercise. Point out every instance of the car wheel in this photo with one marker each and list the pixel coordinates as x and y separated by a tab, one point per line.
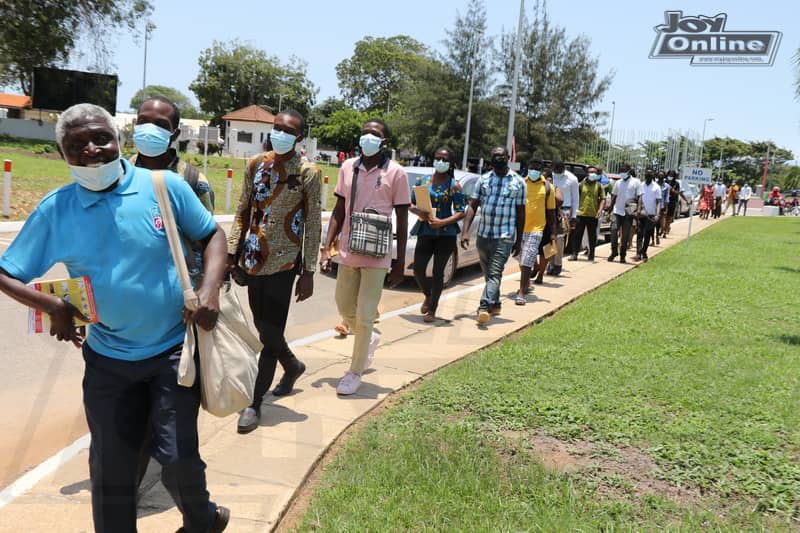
450	268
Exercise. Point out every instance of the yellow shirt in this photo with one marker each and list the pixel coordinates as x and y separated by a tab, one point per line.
535	218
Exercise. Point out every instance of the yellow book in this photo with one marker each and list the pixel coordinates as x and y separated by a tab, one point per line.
77	291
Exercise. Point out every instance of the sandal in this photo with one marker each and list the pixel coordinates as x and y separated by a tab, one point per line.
429	317
426	306
342	329
519	299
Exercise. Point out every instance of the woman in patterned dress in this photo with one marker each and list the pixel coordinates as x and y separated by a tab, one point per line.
706	203
436	232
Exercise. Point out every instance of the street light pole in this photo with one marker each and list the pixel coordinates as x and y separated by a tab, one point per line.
517	65
469	107
148	27
610	132
703	139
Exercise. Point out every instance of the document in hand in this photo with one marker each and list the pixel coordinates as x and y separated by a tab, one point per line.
77	291
423	197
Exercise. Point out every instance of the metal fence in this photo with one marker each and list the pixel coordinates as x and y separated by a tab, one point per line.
644	150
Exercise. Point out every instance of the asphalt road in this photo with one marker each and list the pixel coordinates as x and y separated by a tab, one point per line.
40	378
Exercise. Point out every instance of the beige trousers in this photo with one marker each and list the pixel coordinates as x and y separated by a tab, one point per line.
358	292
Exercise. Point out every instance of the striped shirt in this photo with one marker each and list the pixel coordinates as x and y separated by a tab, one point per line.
499	198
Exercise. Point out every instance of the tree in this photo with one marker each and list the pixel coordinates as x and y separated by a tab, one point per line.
377	70
188	110
43	33
234	75
432	108
342	129
559	86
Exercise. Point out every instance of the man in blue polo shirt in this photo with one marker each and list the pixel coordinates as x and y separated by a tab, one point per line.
107	226
500	194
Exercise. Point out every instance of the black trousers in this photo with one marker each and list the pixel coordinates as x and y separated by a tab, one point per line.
625	222
644	233
440	248
269	298
125	400
590	224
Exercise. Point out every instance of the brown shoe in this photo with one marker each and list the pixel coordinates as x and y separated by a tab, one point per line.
426	306
494	311
429	317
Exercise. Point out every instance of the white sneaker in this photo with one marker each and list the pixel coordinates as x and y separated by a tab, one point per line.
373	345
349	384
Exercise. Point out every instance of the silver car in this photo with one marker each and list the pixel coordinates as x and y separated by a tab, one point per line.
460	258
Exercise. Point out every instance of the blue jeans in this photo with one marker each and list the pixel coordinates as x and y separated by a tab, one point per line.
124	401
493	254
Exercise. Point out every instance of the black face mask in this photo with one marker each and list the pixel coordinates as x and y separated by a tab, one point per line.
499	164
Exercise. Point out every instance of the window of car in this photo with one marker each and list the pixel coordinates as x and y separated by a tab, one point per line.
468	184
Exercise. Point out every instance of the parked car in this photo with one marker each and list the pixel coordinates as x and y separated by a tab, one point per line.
461	258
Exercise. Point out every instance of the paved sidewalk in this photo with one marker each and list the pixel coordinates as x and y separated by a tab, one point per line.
256	475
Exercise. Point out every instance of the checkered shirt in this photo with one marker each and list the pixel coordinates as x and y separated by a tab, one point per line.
499	198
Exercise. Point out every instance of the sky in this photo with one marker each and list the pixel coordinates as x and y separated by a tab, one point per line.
750	103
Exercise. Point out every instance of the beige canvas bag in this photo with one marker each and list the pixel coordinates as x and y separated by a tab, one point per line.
229	352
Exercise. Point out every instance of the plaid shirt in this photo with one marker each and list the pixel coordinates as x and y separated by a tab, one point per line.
499	198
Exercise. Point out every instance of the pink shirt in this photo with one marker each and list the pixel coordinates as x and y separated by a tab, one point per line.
381	189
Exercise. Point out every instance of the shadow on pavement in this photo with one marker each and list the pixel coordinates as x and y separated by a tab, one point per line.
366	390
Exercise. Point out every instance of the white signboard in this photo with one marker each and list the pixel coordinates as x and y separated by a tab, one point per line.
696	175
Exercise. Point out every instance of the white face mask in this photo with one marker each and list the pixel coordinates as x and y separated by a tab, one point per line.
97	178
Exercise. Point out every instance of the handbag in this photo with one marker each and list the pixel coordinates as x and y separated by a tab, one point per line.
229	352
370	232
632	207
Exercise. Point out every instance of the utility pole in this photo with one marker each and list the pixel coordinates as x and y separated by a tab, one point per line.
517	65
610	132
766	170
471	93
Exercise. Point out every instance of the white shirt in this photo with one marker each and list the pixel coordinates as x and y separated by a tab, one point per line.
568	184
745	193
651	197
625	190
720	190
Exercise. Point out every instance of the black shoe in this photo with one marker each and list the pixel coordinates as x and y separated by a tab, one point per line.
221	519
644	259
591	257
573	257
612	257
286	384
538	281
622	260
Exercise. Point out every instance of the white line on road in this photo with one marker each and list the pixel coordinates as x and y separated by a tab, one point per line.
51	465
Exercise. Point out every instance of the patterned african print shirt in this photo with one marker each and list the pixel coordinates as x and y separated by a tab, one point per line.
284	224
447	200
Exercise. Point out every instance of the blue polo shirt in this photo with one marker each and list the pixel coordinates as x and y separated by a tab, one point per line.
117	239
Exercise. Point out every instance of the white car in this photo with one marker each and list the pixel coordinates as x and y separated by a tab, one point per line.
460	258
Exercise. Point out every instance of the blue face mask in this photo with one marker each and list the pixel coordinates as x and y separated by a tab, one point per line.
593	176
370	144
534	175
441	166
151	140
624	175
282	142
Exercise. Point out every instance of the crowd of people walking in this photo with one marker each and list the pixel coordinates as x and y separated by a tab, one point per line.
537	215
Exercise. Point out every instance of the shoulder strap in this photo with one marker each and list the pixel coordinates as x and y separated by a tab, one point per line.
546	192
171	229
356	166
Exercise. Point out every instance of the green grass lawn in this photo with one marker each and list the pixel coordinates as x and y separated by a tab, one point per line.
670	395
35	172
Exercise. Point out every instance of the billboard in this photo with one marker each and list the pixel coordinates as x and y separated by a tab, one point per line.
59	89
